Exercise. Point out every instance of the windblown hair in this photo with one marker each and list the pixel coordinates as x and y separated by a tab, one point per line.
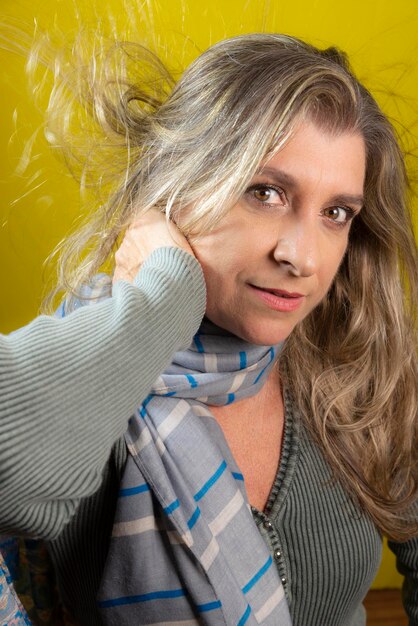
191	148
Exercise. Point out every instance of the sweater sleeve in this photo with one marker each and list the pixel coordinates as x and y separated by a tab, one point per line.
68	387
407	564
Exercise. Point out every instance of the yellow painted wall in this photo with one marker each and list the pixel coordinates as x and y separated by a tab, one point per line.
38	206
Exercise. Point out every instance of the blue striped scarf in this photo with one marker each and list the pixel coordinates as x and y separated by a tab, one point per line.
185	548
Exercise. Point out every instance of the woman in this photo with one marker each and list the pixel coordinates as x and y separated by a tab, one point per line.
298	396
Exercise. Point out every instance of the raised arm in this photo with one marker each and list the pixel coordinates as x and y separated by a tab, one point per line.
68	387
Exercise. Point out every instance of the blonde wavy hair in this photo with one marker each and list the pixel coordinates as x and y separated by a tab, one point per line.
197	142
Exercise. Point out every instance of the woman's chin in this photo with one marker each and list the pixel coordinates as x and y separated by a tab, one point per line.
263	338
257	333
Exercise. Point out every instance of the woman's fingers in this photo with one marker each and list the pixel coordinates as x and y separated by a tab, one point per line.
147	233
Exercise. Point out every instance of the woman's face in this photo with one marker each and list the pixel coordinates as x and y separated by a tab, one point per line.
272	259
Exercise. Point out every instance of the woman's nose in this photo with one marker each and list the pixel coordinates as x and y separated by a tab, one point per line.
297	249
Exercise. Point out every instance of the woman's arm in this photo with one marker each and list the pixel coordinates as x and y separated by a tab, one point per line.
68	387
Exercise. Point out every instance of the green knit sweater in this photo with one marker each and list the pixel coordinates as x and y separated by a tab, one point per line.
326	550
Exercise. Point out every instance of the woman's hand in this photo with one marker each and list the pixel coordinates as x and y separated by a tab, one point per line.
144	235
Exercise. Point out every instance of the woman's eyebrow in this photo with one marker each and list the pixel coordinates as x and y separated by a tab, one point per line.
347	198
277	175
280	177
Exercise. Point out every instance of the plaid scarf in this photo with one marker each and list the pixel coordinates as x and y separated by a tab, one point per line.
185	548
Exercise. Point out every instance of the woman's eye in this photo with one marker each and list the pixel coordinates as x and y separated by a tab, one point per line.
267	195
338	214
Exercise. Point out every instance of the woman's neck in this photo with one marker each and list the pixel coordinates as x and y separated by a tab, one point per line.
253	428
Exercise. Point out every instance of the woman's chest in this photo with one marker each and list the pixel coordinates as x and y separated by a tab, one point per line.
327	551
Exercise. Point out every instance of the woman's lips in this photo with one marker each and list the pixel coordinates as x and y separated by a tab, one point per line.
278	299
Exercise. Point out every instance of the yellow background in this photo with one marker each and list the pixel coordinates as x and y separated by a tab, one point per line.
38	204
